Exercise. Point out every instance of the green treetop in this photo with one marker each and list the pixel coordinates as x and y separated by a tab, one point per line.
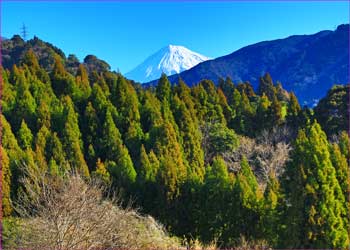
25	136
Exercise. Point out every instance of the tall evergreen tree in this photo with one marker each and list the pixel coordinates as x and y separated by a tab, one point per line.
25	136
58	76
91	131
244	113
215	193
275	112
15	155
25	105
149	166
133	139
262	114
225	107
344	145
55	152
172	170
43	115
293	111
341	166
227	87
116	155
244	219
126	101
40	148
146	172
99	100
8	95
6	183
184	93
72	139
83	83
236	100
64	83
270	223
151	115
266	86
314	195
163	88
191	136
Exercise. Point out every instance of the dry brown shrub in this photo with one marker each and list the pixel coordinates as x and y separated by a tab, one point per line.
72	213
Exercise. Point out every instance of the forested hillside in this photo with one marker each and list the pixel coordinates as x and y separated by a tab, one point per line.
213	163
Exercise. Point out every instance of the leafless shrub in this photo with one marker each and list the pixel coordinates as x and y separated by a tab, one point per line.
276	135
71	213
270	159
267	154
233	158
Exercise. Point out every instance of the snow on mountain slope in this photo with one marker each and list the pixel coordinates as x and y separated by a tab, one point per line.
170	60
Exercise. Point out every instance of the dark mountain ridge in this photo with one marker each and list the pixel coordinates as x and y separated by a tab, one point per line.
306	64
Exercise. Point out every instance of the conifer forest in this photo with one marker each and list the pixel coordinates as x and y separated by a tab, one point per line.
93	160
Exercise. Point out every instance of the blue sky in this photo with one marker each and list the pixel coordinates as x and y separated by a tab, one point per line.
125	33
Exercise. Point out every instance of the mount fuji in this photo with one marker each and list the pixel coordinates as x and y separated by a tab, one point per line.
170	60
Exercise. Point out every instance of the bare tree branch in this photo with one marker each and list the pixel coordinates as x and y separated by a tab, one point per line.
70	213
267	155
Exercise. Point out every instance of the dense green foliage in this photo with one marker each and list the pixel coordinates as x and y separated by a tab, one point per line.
170	149
333	111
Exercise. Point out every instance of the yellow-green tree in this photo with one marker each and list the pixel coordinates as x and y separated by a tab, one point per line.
117	157
72	138
314	197
6	183
25	136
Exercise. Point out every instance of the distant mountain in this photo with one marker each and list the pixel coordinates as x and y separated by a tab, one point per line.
306	64
170	60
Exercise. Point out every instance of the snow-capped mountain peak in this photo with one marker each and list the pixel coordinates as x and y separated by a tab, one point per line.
171	59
